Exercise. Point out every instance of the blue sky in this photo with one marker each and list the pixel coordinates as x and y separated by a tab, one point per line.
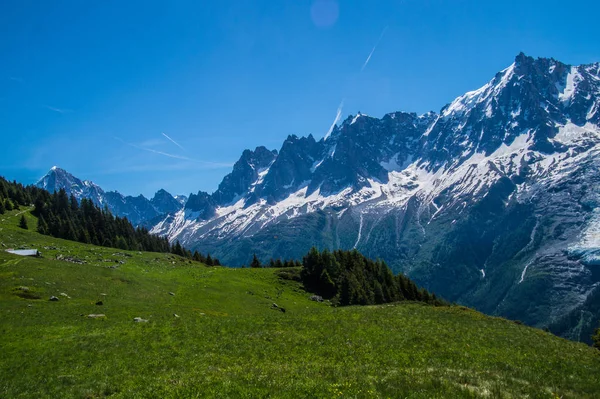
92	86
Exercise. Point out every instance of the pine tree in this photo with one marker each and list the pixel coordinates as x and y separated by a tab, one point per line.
8	205
596	338
23	222
121	243
42	226
197	257
178	249
255	264
209	260
2	209
73	203
84	236
326	285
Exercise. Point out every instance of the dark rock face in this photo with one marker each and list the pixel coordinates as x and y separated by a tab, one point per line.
164	202
366	148
291	169
202	203
245	172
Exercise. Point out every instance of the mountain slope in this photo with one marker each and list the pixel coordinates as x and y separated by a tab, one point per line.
139	210
214	332
493	202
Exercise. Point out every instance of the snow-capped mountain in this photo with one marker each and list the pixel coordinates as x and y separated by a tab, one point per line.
58	178
139	210
493	202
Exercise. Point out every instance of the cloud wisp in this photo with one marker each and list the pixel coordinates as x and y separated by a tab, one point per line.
340	108
338	116
174	156
173	141
58	110
373	50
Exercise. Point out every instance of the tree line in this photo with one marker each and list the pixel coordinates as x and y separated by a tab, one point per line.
62	216
13	195
350	278
274	263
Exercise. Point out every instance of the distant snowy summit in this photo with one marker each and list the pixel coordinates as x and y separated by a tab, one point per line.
139	210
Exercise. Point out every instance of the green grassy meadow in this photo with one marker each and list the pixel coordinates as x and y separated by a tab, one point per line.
214	332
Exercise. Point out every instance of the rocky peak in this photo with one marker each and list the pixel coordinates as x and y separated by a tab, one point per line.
292	168
58	178
531	97
202	203
245	172
164	202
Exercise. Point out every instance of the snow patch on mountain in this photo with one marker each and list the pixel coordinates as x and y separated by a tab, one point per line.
467	102
573	79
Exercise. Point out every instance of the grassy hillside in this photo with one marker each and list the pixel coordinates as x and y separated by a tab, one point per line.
228	340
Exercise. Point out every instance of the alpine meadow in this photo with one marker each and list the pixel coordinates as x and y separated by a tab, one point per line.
193	206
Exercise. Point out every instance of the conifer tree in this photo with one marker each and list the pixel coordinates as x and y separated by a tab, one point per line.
23	222
2	209
326	285
121	243
209	260
177	249
197	257
42	226
84	236
8	205
255	264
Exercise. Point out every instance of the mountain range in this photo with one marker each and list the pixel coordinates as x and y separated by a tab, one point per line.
493	202
139	210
